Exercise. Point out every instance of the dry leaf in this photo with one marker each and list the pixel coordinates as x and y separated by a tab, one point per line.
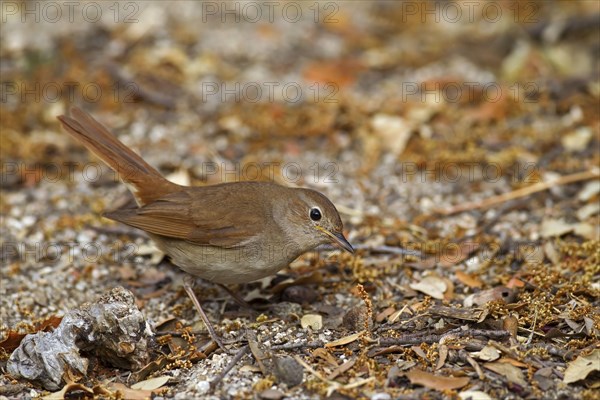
151	276
586	230
555	227
457	253
449	293
443	352
552	253
67	389
249	368
515	283
512	361
589	325
468	279
130	394
312	321
100	390
559	227
509	371
394	317
488	111
384	314
474	395
427	263
150	250
580	368
394	131
488	353
127	272
326	356
420	377
591	189
511	324
578	140
152	383
345	340
587	211
341	72
431	286
419	351
13	340
152	367
342	368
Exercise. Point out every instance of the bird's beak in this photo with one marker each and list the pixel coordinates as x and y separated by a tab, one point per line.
338	238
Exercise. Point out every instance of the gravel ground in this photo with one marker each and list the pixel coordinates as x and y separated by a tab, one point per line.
355	99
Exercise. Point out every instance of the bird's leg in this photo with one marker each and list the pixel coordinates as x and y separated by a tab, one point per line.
188	284
237	298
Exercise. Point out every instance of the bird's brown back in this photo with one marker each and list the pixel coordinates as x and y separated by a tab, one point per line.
225	215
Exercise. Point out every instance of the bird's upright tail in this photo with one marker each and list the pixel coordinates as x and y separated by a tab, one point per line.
145	182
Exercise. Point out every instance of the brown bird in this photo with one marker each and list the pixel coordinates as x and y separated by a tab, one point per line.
226	233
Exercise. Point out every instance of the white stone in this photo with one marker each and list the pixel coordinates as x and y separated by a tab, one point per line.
203	387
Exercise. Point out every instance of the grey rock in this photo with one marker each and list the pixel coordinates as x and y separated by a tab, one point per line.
113	329
288	371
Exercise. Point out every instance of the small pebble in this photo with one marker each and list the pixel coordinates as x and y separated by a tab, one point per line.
299	294
288	371
381	396
28	220
203	387
286	310
271	394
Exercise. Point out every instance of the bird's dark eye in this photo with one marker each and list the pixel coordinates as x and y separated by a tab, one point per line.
315	214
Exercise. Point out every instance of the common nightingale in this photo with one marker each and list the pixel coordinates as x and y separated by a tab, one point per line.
226	233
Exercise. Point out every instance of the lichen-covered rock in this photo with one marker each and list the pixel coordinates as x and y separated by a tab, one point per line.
113	329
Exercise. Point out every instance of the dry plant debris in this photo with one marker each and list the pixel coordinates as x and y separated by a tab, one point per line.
462	153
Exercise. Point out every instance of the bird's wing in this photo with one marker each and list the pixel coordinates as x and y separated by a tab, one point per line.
203	216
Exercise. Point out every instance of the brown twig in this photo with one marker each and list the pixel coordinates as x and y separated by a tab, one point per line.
418	338
555	351
238	356
333	385
464	356
526	191
293	346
